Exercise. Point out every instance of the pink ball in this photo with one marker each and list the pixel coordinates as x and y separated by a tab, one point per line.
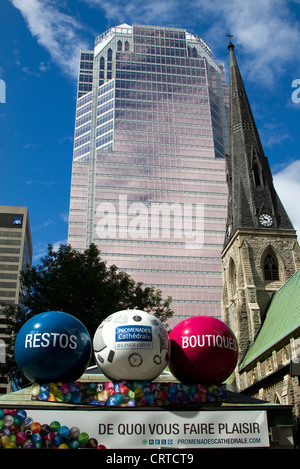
203	350
21	437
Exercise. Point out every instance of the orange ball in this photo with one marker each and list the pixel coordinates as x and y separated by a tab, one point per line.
35	427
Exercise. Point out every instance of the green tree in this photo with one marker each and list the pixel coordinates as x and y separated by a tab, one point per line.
81	284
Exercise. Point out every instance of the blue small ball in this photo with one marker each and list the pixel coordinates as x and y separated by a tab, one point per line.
64	431
21	414
57	440
53	346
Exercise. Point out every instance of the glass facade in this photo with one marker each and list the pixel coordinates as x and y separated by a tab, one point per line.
148	176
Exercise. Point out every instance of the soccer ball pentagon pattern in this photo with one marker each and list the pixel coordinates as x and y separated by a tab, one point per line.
131	345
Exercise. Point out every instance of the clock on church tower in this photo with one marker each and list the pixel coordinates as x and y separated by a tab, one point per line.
265	219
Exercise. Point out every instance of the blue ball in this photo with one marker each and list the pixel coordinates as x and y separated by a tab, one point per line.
53	346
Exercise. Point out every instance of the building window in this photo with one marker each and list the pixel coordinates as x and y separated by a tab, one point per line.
232	278
271	267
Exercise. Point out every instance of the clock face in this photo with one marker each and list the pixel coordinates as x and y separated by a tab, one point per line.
265	219
135	359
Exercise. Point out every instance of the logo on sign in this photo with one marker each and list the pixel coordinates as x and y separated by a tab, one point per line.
17	221
133	337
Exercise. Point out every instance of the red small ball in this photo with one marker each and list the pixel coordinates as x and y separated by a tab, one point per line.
203	350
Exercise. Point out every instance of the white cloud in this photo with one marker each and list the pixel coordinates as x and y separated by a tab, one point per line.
287	184
154	12
56	31
267	30
41	250
64	217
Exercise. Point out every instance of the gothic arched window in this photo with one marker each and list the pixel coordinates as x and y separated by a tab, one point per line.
271	267
101	67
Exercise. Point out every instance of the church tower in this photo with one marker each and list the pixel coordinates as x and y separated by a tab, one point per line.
260	250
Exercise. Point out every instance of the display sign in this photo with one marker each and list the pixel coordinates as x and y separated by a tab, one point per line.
159	429
133	337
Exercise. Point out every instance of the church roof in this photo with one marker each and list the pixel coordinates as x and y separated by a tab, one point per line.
282	319
251	191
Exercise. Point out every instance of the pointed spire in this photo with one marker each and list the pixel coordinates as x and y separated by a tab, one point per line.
252	197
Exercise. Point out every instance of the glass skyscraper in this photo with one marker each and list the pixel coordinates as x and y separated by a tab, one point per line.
148	175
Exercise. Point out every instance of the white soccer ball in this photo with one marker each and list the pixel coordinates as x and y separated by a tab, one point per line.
131	345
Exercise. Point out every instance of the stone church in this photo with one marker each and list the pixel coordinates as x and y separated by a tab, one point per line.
260	264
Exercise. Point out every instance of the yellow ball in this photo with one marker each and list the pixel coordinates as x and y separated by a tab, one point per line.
4	440
11	445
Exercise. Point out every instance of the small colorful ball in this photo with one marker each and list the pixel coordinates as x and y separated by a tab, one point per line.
35	427
29	444
53	389
11	445
74	444
92	443
21	414
21	437
14	428
4	440
8	420
63	446
83	438
45	429
54	426
57	440
65	388
64	431
35	390
37	437
74	432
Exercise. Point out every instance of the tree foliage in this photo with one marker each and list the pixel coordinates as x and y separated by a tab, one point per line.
81	284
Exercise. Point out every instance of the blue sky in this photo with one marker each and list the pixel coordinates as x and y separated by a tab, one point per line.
40	42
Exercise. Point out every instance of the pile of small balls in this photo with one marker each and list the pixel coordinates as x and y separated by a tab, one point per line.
17	430
145	393
128	393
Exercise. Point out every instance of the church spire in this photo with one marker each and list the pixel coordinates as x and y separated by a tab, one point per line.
252	201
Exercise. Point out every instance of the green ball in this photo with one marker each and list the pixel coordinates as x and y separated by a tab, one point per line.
54	426
74	444
83	438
